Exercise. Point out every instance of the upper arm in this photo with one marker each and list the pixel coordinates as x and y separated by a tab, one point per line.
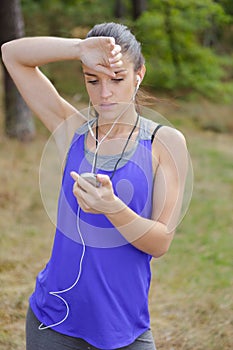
171	153
40	94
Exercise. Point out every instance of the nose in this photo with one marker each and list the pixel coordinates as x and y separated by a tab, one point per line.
105	90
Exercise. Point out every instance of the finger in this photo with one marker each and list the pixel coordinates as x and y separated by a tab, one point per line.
115	58
104	180
110	40
83	205
106	70
116	50
79	193
116	64
111	45
108	45
85	185
74	175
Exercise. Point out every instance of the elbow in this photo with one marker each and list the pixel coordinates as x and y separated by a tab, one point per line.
7	52
155	249
162	246
160	251
156	241
4	52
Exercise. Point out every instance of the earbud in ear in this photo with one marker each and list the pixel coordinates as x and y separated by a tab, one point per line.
138	79
138	82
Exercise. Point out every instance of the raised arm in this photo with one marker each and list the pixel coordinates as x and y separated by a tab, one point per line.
22	57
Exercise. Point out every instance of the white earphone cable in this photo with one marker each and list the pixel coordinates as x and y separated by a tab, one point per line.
113	125
56	293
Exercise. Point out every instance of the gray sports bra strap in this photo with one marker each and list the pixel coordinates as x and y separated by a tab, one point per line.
155	131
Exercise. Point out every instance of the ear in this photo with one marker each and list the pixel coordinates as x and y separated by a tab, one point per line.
140	74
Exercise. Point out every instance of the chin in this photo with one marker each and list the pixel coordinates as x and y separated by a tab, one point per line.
112	111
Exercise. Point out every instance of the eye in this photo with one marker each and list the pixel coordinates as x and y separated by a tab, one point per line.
93	82
117	80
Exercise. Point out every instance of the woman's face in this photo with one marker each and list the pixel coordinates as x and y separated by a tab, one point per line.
108	95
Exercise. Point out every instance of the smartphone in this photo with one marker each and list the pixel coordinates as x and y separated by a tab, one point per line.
91	178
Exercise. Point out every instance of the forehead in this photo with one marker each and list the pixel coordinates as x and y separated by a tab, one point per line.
126	68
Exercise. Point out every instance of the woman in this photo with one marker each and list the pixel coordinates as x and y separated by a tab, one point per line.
93	293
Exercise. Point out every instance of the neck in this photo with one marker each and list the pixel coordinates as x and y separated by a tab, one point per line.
123	150
119	126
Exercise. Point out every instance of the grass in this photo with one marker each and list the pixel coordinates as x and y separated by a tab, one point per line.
191	292
193	305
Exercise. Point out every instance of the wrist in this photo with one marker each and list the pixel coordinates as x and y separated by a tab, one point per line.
82	45
116	207
77	49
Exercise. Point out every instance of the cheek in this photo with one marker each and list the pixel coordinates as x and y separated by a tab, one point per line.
89	88
92	91
127	93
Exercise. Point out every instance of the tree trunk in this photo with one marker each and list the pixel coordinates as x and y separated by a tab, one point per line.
18	118
139	6
119	9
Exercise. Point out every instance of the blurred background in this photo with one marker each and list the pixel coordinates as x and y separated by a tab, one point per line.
188	46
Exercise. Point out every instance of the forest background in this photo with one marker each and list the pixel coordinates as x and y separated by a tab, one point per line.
189	58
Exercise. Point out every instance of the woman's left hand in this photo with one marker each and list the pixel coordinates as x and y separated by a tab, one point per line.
91	199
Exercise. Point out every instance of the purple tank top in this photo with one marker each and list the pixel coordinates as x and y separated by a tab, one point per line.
105	302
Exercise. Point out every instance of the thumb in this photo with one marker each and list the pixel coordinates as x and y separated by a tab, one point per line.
74	175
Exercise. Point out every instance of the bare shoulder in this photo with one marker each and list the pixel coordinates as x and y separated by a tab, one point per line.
169	143
170	137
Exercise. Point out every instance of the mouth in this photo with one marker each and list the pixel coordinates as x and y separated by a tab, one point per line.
108	105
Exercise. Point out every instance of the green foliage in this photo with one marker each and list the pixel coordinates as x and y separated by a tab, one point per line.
172	33
227	5
182	40
59	17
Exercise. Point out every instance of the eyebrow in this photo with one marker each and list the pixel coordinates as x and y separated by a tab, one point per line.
94	75
89	74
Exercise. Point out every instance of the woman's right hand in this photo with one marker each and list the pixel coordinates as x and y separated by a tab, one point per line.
101	54
96	200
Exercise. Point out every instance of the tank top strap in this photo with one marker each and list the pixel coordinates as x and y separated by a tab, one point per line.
155	131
